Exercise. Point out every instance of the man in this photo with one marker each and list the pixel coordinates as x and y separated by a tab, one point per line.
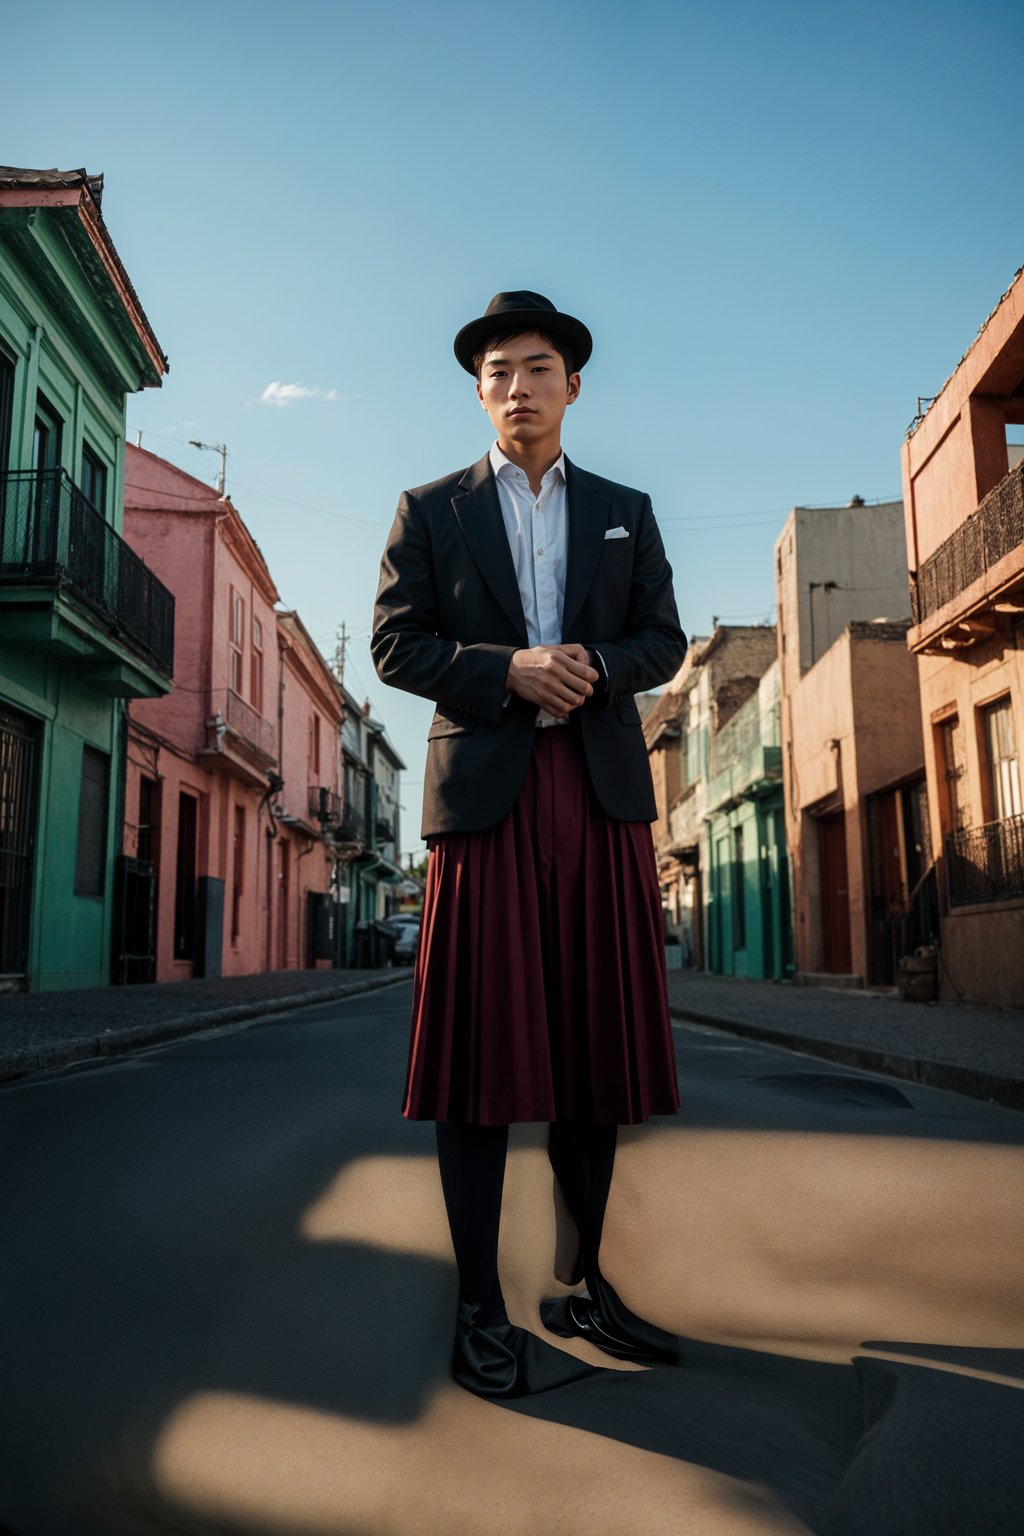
531	600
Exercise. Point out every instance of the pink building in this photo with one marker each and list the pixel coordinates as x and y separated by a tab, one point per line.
226	821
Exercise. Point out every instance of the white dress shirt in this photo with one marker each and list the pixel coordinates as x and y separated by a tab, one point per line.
538	536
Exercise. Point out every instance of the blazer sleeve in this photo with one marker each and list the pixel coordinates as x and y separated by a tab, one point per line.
653	645
407	650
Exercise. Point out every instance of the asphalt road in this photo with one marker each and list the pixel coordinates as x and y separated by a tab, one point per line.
227	1294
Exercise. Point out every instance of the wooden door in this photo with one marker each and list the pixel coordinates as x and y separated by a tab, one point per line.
835	895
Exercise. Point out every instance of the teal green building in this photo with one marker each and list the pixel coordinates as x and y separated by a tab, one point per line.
84	624
369	835
749	923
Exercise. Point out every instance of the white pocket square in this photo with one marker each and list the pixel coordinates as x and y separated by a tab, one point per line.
616	533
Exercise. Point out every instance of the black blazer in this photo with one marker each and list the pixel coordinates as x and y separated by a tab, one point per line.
448	617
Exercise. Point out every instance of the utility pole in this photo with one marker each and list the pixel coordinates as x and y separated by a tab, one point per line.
339	653
215	448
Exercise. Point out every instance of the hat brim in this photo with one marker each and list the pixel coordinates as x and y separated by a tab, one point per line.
552	322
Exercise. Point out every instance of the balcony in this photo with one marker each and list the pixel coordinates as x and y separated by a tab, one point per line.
384	831
239	738
51	536
976	575
746	756
986	863
350	832
324	805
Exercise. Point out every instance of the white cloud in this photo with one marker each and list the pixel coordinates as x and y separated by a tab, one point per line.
285	394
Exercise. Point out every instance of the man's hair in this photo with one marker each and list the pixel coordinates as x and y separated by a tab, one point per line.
498	339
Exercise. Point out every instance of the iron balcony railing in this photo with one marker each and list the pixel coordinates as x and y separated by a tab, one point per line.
981	540
49	532
351	828
986	863
383	830
248	723
324	805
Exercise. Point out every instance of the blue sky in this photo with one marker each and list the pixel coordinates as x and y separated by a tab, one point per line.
782	223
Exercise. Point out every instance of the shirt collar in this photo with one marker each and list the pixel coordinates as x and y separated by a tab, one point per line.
500	462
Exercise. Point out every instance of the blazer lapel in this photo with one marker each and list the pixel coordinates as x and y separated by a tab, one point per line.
478	510
587	504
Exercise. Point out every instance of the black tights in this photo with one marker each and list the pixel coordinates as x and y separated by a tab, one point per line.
472	1163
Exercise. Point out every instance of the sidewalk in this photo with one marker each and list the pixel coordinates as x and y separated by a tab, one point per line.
973	1050
43	1030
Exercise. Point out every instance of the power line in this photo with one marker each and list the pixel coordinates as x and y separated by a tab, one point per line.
770	513
285	501
308	507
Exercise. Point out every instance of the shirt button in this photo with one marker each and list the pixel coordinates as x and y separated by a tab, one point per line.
540	551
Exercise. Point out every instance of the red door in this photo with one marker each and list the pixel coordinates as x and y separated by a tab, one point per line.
835	895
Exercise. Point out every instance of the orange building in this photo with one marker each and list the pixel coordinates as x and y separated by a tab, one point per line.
963	485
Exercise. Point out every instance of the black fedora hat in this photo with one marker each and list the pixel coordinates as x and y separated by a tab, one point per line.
529	312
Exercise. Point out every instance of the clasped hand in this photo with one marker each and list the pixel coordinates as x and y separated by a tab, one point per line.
557	678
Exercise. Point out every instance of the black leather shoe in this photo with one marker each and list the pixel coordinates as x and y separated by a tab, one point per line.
610	1325
497	1359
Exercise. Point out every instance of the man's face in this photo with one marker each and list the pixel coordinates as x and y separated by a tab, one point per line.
524	390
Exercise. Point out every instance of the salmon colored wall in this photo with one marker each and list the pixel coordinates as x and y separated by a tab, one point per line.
818	712
944	491
958	452
851	727
950	462
977	957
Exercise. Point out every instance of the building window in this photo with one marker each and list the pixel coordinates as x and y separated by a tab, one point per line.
954	756
1001	754
91	859
238	873
185	878
236	634
46	441
257	665
94	480
148	833
314	746
6	409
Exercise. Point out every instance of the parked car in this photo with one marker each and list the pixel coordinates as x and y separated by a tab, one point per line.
399	919
407	942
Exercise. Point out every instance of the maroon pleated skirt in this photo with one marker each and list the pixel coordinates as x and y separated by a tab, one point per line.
539	988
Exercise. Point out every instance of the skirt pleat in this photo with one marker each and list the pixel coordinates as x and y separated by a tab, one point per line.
539	987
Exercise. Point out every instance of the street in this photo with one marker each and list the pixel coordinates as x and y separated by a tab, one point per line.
228	1298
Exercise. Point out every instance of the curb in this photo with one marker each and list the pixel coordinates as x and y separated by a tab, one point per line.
32	1060
1007	1091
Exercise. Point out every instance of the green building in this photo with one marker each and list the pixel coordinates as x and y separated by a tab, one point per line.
84	624
749	924
369	835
